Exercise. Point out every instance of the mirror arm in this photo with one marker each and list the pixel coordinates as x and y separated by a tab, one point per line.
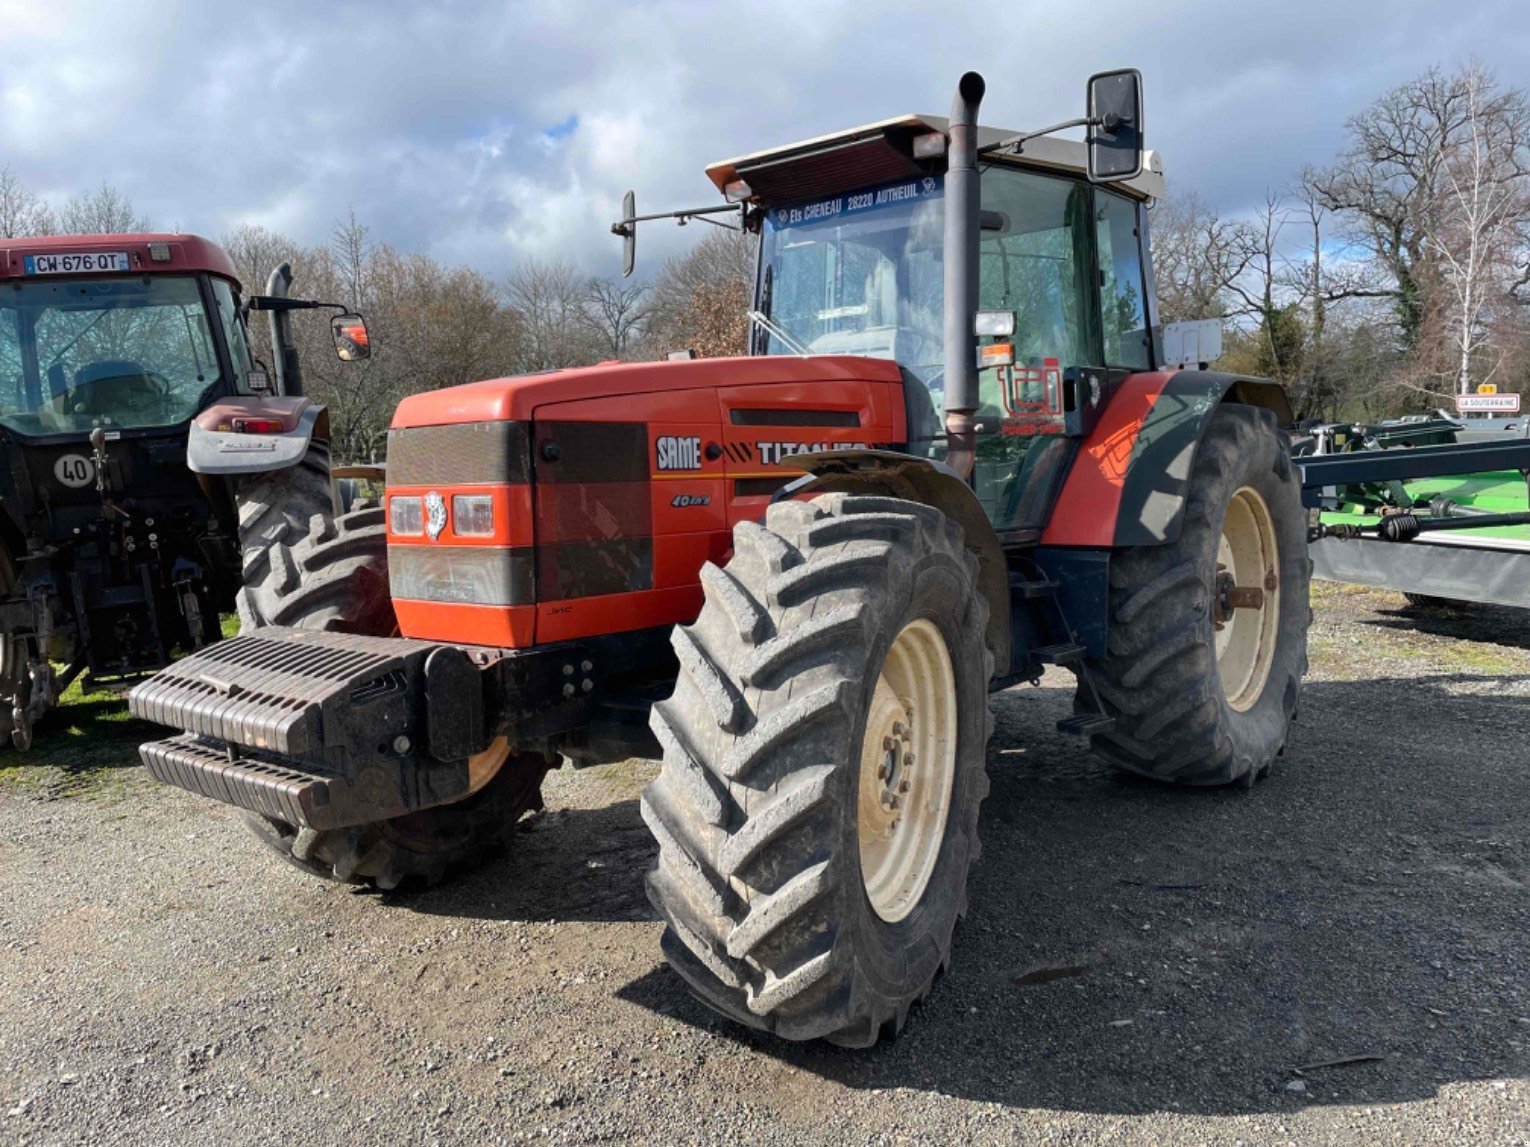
626	226
279	303
1015	144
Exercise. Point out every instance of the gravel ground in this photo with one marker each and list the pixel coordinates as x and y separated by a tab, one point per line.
1139	966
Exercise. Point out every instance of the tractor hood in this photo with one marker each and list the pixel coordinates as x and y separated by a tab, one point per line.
516	399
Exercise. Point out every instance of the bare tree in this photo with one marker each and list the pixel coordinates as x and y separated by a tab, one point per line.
1390	187
105	211
1474	231
21	211
616	310
548	300
1196	258
351	247
700	301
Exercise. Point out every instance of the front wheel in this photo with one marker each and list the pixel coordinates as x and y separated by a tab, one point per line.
823	766
1208	633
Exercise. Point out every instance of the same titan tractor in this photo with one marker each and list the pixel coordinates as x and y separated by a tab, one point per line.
958	453
113	555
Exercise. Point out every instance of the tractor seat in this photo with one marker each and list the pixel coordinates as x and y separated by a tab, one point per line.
111	387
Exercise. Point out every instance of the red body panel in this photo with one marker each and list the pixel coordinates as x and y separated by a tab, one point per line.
188	253
708	425
1086	509
517	399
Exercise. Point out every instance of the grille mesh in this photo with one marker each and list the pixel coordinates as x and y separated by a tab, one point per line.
468	453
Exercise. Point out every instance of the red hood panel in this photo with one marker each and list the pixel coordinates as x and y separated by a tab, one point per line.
516	399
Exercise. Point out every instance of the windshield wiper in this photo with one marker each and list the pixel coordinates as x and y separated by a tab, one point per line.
771	328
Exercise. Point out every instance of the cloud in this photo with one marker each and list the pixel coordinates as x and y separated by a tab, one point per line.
486	132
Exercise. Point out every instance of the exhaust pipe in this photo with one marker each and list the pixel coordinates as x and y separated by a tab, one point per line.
962	223
289	372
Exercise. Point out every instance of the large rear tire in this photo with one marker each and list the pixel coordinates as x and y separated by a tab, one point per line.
307	568
1203	683
824	757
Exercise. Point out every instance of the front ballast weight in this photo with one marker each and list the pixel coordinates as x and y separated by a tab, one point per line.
322	730
318	729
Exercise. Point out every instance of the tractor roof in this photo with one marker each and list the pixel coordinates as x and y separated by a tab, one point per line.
187	252
882	152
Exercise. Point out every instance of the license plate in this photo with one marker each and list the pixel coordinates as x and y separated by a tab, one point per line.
83	262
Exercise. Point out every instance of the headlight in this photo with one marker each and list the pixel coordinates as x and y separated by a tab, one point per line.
406	516
473	515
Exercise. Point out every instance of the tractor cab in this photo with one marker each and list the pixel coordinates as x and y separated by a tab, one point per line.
123	332
852	261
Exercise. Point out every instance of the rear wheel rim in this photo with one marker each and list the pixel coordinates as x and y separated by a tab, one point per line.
1248	557
907	770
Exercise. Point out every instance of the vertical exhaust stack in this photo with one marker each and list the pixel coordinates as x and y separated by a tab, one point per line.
289	372
962	222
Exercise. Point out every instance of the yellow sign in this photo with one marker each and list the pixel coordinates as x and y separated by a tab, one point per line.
1487	388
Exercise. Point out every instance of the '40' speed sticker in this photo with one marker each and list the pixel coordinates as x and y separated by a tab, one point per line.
74	470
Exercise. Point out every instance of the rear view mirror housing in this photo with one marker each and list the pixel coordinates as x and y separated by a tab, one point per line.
1115	126
628	232
352	343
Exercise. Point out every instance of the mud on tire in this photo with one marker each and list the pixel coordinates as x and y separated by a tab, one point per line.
1159	677
755	809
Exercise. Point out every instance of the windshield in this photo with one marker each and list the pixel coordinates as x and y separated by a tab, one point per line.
860	274
78	353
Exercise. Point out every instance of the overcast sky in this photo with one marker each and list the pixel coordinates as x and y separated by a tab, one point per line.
482	132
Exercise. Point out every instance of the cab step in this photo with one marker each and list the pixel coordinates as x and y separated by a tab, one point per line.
1067	653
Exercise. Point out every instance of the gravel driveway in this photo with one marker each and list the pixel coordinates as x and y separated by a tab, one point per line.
1139	966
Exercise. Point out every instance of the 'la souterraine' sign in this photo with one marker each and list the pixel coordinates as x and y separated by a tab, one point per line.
890	195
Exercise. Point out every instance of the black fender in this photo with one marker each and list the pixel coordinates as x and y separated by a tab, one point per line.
923	480
1126	486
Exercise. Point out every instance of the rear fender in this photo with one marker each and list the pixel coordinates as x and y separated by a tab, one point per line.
890	474
216	447
1127	483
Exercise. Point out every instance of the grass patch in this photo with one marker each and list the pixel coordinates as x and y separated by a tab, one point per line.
87	747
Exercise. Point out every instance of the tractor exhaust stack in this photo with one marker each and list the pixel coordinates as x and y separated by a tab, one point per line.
962	223
289	370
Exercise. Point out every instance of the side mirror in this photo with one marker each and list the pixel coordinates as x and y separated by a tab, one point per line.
1115	126
628	232
351	341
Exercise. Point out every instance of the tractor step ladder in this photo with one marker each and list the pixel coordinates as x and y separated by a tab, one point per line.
1041	594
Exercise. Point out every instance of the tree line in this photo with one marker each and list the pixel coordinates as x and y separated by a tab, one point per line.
1386	281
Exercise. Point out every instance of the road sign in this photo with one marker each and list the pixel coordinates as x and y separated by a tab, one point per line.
1487	403
1487	388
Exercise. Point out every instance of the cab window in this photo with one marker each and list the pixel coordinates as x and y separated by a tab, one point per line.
1121	283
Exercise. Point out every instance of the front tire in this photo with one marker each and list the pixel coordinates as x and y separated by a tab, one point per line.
833	686
1202	683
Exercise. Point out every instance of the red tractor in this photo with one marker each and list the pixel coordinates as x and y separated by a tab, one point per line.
956	455
121	356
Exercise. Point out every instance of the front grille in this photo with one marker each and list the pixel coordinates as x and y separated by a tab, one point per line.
463	454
